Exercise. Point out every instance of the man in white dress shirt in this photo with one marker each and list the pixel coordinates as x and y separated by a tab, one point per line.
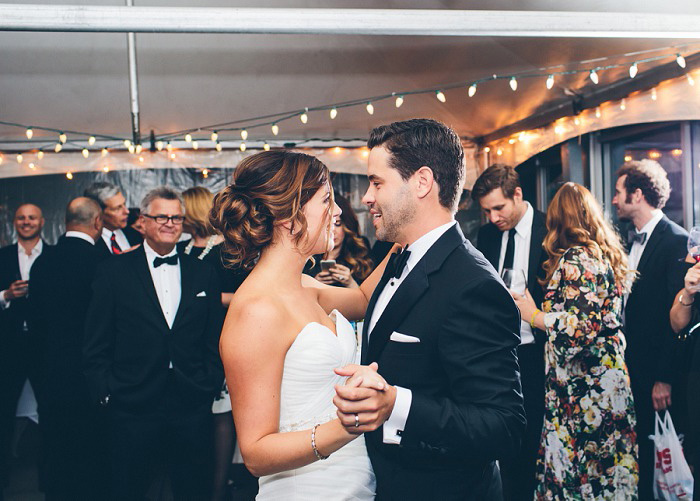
442	328
116	236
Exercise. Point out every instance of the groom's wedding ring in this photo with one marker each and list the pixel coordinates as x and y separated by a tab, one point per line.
357	421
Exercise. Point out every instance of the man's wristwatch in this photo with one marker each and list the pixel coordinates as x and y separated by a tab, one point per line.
104	401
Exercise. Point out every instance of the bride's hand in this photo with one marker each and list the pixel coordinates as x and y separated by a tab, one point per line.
365	376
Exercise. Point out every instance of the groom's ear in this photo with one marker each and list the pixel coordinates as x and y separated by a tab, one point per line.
424	181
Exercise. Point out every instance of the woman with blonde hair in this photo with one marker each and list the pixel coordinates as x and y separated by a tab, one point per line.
589	445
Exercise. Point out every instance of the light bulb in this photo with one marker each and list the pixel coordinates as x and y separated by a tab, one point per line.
214	136
30	133
623	104
104	152
105	168
370	108
511	141
242	146
69	175
399	101
577	121
304	117
169	147
62	138
195	145
40	154
244	134
58	147
159	145
19	158
127	143
32	166
597	113
188	138
91	140
141	159
499	152
550	81
333	113
205	173
513	84
275	129
266	146
139	149
86	153
1	159
172	156
440	96
472	90
218	146
653	94
132	149
634	70
691	81
487	149
680	60
594	77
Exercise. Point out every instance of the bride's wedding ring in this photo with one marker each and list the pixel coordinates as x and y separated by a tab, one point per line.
357	421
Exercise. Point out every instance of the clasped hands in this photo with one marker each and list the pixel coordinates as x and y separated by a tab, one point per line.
366	400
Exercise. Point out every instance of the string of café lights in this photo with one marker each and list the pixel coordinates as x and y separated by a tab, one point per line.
163	142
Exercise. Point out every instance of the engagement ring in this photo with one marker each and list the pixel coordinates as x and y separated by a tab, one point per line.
357	421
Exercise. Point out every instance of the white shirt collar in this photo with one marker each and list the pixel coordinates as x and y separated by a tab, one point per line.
107	233
81	235
424	243
151	254
524	226
36	250
651	224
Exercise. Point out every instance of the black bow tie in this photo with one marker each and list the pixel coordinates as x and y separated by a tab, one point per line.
399	263
633	237
165	260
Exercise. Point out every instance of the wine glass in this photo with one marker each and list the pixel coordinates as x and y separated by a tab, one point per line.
694	243
514	280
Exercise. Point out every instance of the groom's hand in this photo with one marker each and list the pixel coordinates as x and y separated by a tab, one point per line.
362	409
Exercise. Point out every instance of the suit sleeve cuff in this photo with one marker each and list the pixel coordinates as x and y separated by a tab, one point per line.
394	426
4	304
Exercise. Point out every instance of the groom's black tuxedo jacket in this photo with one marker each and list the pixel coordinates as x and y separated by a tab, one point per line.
128	344
467	407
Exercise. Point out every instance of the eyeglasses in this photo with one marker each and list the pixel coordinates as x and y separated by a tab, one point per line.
162	218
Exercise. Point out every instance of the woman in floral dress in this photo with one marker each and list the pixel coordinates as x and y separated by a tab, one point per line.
588	448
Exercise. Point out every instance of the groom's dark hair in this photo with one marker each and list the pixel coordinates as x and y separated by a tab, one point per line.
424	142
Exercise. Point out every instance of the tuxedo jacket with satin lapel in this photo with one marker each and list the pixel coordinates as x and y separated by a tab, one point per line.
61	290
128	344
467	408
489	242
13	317
650	339
133	236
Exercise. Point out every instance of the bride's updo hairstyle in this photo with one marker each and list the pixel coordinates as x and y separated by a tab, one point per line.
268	187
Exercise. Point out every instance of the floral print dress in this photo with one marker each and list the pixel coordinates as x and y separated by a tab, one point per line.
588	448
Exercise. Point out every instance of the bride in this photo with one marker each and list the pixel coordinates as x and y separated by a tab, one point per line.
285	332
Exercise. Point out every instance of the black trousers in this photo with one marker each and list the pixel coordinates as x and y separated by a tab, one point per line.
518	473
182	435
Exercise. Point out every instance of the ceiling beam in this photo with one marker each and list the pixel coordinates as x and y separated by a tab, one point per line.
593	96
429	22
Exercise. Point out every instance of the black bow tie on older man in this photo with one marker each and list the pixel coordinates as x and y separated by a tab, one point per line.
165	260
633	237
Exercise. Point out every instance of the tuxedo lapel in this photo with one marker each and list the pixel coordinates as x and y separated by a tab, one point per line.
411	289
187	292
373	301
653	241
144	273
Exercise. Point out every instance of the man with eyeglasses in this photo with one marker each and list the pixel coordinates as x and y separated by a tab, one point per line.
151	355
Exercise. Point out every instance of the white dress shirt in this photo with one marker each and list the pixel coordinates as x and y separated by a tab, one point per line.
521	258
80	235
120	237
25	265
166	279
397	421
638	249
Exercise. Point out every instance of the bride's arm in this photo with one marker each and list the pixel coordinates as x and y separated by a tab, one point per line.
352	303
253	346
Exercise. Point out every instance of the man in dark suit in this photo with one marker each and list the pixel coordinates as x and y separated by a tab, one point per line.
657	245
512	239
442	328
151	355
17	343
116	236
61	292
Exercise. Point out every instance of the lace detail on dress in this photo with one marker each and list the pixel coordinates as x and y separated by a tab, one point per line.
306	423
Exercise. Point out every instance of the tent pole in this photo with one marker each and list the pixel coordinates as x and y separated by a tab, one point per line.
133	83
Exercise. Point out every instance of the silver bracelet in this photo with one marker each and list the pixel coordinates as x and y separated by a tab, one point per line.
680	300
313	443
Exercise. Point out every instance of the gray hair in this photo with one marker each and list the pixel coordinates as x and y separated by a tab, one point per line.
82	211
164	192
100	192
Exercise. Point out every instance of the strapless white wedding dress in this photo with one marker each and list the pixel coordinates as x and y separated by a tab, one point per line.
307	399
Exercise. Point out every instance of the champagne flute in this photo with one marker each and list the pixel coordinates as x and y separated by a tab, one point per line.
694	246
514	280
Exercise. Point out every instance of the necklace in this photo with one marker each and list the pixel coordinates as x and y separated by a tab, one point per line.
207	248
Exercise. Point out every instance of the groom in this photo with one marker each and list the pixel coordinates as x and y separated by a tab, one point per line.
441	326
